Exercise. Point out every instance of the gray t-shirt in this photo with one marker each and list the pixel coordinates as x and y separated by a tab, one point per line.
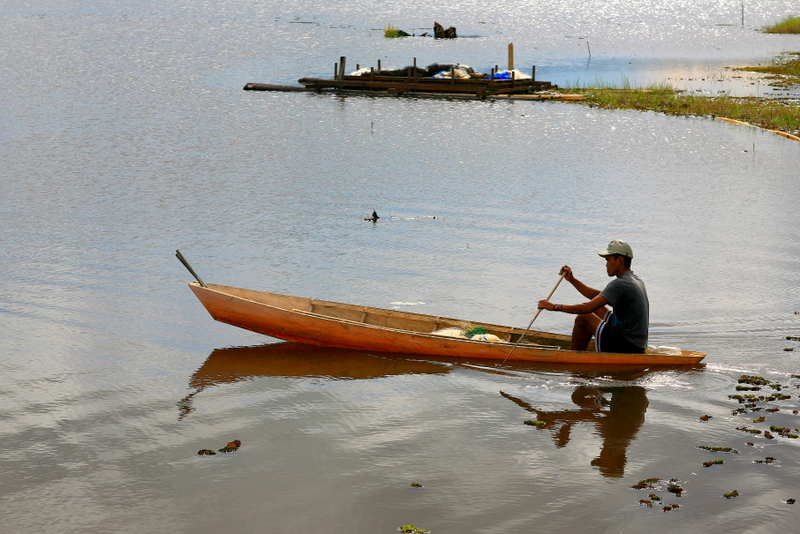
631	315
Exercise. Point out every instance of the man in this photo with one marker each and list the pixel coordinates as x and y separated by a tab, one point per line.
621	330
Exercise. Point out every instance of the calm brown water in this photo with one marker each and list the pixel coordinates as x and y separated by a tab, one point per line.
125	135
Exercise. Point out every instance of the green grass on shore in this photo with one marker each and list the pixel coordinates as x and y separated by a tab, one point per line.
785	69
790	24
769	113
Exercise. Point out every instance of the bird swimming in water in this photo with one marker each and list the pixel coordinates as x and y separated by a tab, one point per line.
373	218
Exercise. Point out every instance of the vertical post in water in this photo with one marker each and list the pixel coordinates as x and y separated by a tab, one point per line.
533	73
742	14
510	56
342	61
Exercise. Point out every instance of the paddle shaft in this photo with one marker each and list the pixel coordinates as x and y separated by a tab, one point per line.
534	318
189	267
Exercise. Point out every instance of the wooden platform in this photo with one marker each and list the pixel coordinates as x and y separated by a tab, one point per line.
423	87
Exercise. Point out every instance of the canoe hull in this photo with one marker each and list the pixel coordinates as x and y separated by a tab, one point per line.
363	328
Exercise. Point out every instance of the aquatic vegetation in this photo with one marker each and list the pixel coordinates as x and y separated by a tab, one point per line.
670	507
750	430
231	446
748	388
759	419
719	449
705	417
790	24
713	462
645	502
531	422
391	32
731	494
754	380
647	483
677	489
209	452
654	497
411	529
790	501
416	485
767	460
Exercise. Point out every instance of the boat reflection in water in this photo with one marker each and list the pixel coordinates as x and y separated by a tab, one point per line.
617	413
225	366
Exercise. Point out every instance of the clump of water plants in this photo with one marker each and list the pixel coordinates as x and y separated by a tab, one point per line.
718	449
646	483
416	485
670	507
204	452
759	419
790	24
705	417
767	460
731	494
754	380
646	502
231	446
531	422
411	529
391	32
713	462
675	488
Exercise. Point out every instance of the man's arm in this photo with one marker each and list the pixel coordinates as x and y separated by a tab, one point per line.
585	307
583	289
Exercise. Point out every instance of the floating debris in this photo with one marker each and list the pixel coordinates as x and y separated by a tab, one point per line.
793	338
719	449
531	422
754	380
677	489
713	462
416	485
647	483
705	417
731	494
231	446
202	452
767	460
411	529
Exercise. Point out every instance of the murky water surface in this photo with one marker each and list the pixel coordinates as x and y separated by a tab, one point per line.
126	134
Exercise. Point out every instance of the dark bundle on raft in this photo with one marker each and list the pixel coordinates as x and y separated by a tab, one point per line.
427	72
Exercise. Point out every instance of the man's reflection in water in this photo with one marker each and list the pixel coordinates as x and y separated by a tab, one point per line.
617	419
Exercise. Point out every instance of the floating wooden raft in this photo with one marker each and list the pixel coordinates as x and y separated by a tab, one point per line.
410	85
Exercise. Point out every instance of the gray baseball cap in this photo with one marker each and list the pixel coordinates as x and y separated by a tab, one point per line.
617	246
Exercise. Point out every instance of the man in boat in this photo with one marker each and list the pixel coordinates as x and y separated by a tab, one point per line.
625	328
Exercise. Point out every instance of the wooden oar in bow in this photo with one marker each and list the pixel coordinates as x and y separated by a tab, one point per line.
534	318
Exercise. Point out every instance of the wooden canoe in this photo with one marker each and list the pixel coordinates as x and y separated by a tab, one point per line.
347	326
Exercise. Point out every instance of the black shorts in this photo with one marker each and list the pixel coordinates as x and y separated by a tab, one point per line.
609	339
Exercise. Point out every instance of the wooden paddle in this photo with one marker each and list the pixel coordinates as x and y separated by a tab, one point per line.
534	318
189	267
